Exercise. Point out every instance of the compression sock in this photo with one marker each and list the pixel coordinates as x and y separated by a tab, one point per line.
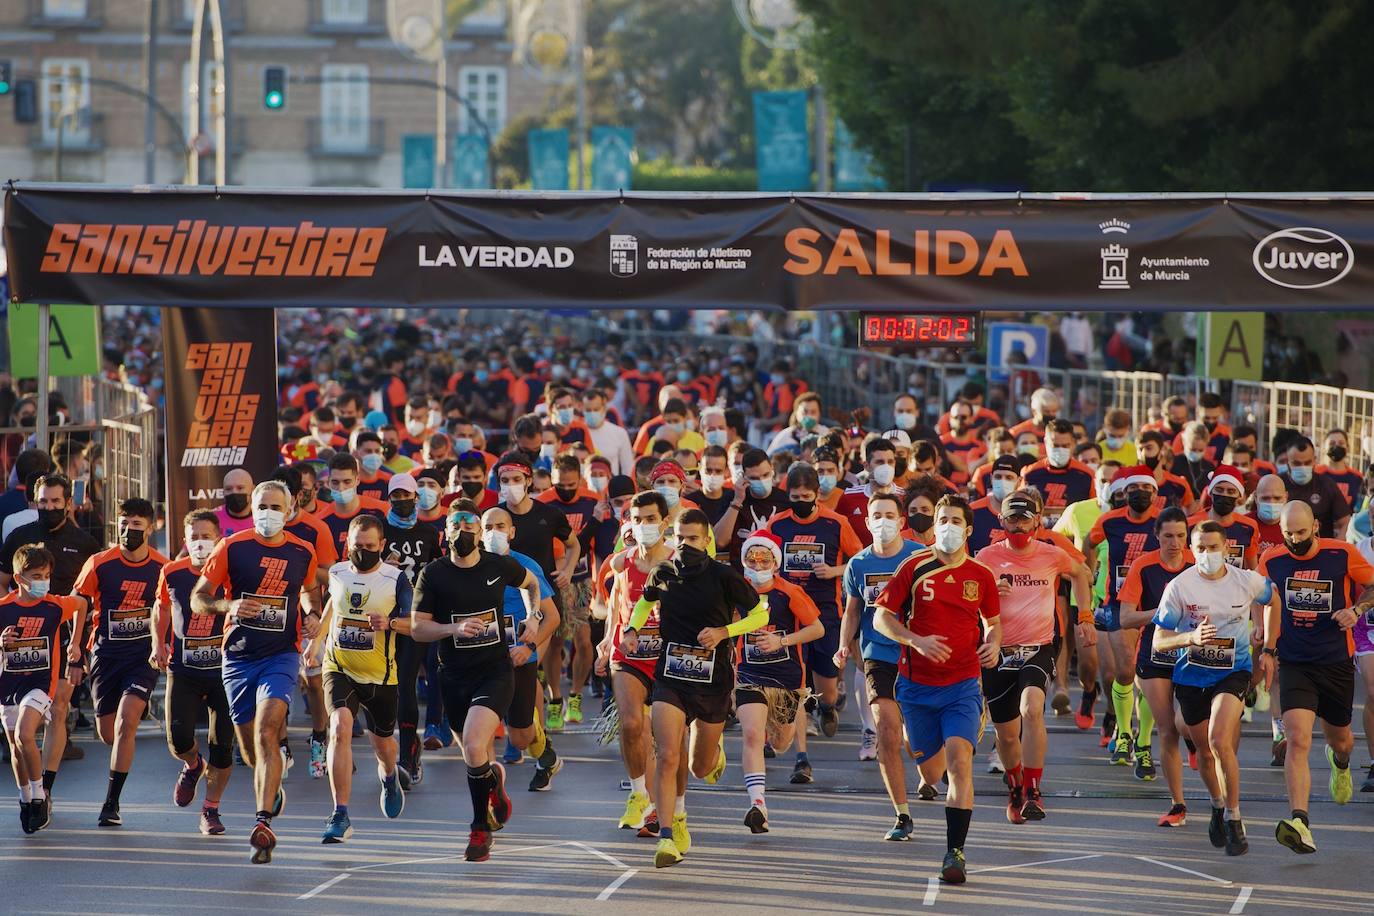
1123	699
1016	775
956	827
1147	724
409	742
537	743
1033	777
754	785
36	789
49	777
480	783
25	793
115	787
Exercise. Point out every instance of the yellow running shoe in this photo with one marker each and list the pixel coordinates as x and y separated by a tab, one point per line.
1340	784
718	770
1294	834
666	854
681	837
636	809
574	714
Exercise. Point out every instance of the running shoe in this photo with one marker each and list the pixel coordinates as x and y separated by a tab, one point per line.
403	774
24	807
553	721
393	800
636	811
543	775
801	774
681	835
337	829
1144	765
830	720
210	824
1122	751
1262	699
479	846
109	815
769	753
718	770
513	755
263	841
1368	785
812	729
1016	797
575	709
868	748
318	759
1216	828
417	771
40	813
667	853
1340	783
1108	728
433	740
1177	817
184	792
651	826
902	830
1278	752
927	792
500	801
287	759
1060	704
1236	843
1296	835
1034	808
1084	717
955	869
995	761
279	803
756	819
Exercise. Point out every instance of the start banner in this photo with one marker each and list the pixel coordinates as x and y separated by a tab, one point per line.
246	248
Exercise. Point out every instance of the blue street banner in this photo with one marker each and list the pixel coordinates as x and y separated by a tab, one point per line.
471	169
612	158
1005	338
853	166
549	160
417	161
782	143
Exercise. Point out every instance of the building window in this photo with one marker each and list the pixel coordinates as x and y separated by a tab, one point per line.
345	12
492	15
344	107
209	104
485	89
66	91
64	9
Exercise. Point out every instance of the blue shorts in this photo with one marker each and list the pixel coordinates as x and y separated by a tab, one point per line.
935	714
819	654
1107	619
248	682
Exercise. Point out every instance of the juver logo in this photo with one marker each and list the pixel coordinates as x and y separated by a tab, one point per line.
1303	258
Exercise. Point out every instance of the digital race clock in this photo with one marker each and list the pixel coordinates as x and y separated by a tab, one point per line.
918	330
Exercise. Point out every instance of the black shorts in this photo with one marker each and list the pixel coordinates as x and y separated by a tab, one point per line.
1196	702
819	654
1021	667
1327	690
187	695
711	708
881	677
378	701
632	671
525	696
493	688
112	678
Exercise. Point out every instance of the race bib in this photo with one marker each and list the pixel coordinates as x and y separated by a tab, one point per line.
1121	573
756	656
490	636
695	664
355	634
649	647
1015	657
28	655
1308	596
1369	618
271	618
1235	554
201	652
508	623
1165	659
132	623
1219	654
800	559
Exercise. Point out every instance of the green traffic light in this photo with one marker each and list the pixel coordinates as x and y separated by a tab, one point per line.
273	100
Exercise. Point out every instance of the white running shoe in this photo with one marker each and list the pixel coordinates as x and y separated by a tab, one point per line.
868	750
994	761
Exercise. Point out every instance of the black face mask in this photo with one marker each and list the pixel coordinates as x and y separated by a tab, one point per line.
1118	500
52	519
567	494
1210	424
27	422
899	469
388	450
1047	419
236	503
131	539
471	488
364	559
1298	548
920	522
404	508
802	508
346	422
692	558
1336	453
465	544
1140	500
1150	461
1224	505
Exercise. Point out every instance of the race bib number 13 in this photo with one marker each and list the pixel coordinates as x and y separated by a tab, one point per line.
272	615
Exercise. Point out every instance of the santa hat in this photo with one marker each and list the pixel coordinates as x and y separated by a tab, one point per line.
1124	477
763	539
1226	474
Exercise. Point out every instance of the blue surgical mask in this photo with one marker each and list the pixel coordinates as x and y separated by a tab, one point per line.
1301	474
371	463
462	445
1115	442
594	418
718	437
1268	512
828	483
684	376
1001	489
38	588
669	494
480	376
760	488
343	497
427	498
564	415
1193	457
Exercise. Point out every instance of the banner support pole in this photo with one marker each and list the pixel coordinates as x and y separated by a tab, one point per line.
44	343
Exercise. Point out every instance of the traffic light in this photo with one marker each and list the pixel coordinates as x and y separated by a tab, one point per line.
6	77
274	88
25	102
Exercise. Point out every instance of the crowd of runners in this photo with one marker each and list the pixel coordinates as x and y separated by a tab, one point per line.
478	558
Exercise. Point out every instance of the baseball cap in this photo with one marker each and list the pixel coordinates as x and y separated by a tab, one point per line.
401	482
1018	504
898	437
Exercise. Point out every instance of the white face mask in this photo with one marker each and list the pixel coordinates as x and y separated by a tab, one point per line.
268	522
1210	562
950	536
415	427
495	542
1059	457
199	550
669	494
882	474
712	482
547	450
647	534
758	577
38	588
598	484
884	530
904	421
512	493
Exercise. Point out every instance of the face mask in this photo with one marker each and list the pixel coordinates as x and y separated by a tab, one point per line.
1210	562
1059	457
884	530
268	522
647	534
712	482
567	494
131	539
1019	539
669	494
920	522
403	508
200	550
547	450
598	484
415	427
828	484
1298	548
236	502
758	577
428	498
1150	461
900	468
1030	449
512	493
495	542
343	497
371	463
1269	512
717	437
760	488
949	537
464	544
684	376
802	508
38	588
692	558
676	428
98	472
1223	505
1193	457
1115	442
1140	501
364	559
904	421
52	519
882	475
1336	453
462	445
777	378
1301	475
609	371
1210	424
1001	489
347	422
471	488
808	422
594	418
564	415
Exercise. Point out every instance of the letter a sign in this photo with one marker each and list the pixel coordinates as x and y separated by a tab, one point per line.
1233	345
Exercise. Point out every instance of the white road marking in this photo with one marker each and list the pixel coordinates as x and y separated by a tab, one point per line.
1186	871
1241	899
615	885
598	853
320	889
979	871
431	859
932	891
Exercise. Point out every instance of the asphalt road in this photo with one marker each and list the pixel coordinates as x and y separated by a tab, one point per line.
1098	851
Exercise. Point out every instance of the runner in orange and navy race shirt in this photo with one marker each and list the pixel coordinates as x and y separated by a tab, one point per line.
121	584
578	505
1060	480
372	477
1226	489
963	445
1003	478
1348	480
348	502
567	424
269	579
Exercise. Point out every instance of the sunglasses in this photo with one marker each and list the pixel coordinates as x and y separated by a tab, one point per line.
462	518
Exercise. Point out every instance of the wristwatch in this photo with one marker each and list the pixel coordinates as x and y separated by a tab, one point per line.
1271	651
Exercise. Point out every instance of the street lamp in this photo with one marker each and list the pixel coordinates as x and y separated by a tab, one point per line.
551	43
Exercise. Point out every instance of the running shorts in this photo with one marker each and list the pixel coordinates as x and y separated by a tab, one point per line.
1020	667
378	701
638	675
882	680
933	715
1196	702
710	708
782	704
1327	690
493	688
187	695
525	696
248	683
112	678
35	699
